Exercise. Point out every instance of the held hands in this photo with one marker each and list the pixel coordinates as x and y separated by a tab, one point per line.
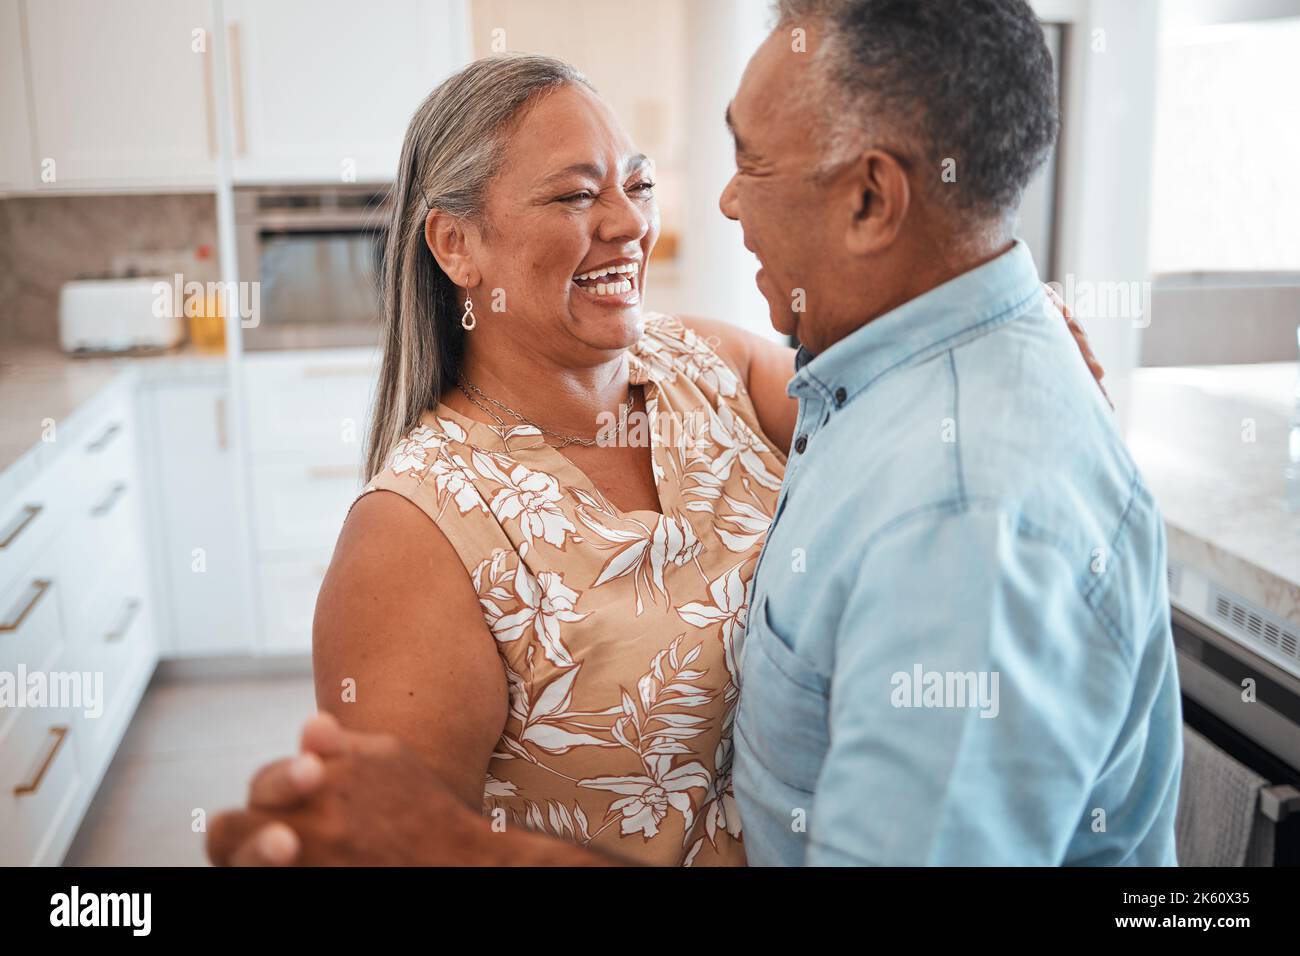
349	799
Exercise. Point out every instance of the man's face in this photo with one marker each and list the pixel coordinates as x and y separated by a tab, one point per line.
786	215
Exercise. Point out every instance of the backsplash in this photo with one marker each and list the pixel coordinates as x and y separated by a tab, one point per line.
47	240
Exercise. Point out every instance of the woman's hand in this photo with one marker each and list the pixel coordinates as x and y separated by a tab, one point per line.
1081	340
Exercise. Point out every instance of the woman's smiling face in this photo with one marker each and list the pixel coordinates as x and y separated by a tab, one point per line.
570	221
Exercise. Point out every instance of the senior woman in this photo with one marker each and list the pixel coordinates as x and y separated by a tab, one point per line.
547	610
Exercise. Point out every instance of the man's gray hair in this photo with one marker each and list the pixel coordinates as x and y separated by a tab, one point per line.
965	81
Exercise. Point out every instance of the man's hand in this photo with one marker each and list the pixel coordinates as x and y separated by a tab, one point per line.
359	799
350	799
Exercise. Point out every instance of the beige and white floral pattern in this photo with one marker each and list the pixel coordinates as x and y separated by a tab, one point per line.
619	631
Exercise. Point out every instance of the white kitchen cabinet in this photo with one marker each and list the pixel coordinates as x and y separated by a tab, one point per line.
322	90
121	93
201	554
308	415
15	124
76	612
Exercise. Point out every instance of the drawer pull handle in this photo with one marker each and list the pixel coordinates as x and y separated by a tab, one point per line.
322	472
237	88
336	371
128	615
19	524
105	506
100	443
60	734
223	437
39	587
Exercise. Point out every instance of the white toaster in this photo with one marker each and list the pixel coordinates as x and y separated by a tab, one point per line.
118	315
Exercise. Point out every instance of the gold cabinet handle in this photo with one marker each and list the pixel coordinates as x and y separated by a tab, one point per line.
39	587
237	88
320	472
355	370
27	516
100	443
209	103
60	734
128	615
110	499
223	436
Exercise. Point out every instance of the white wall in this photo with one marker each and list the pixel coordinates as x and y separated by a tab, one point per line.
717	271
1105	183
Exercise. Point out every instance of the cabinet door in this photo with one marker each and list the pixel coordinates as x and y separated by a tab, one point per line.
209	607
15	126
122	92
322	90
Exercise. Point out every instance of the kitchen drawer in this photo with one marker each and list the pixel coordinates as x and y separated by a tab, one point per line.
289	590
101	549
29	521
121	575
31	629
41	786
125	658
302	507
104	457
316	407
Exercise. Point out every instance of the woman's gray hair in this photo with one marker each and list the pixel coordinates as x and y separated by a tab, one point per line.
454	145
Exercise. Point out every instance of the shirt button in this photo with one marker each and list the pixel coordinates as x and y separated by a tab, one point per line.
801	443
841	396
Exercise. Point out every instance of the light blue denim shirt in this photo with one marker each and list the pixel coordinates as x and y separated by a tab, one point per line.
958	648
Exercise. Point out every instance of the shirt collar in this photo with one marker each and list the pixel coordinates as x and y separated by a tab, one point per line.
962	308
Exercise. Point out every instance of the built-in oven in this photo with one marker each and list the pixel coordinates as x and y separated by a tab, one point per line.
315	254
1239	668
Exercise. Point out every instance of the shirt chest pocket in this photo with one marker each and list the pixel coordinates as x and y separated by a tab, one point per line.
783	710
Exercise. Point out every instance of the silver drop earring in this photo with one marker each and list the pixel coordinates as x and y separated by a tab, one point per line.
467	321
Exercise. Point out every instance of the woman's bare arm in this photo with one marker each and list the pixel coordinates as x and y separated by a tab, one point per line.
398	615
765	367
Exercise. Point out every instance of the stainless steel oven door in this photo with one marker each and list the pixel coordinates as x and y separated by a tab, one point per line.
315	254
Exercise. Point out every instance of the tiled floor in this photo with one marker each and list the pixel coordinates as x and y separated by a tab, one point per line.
193	746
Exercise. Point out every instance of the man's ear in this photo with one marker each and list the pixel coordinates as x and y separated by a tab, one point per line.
452	242
880	195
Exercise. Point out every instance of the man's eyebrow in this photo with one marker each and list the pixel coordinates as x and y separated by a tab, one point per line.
592	171
731	126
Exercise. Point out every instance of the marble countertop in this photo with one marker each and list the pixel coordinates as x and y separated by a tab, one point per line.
1212	444
38	385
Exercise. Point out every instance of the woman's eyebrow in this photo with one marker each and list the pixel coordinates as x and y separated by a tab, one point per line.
593	171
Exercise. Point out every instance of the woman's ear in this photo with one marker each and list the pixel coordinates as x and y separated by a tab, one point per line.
879	195
452	242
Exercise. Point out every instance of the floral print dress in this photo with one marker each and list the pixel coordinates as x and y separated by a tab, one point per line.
619	631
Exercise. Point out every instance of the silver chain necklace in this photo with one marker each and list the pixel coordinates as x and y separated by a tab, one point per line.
470	390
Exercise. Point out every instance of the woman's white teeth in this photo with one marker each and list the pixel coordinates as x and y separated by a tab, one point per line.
626	268
613	288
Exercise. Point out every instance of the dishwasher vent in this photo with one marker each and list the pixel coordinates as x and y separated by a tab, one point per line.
1255	625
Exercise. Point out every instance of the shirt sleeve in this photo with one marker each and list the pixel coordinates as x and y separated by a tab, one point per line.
974	699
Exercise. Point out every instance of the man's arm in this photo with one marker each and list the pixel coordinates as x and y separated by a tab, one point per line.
365	799
967	600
